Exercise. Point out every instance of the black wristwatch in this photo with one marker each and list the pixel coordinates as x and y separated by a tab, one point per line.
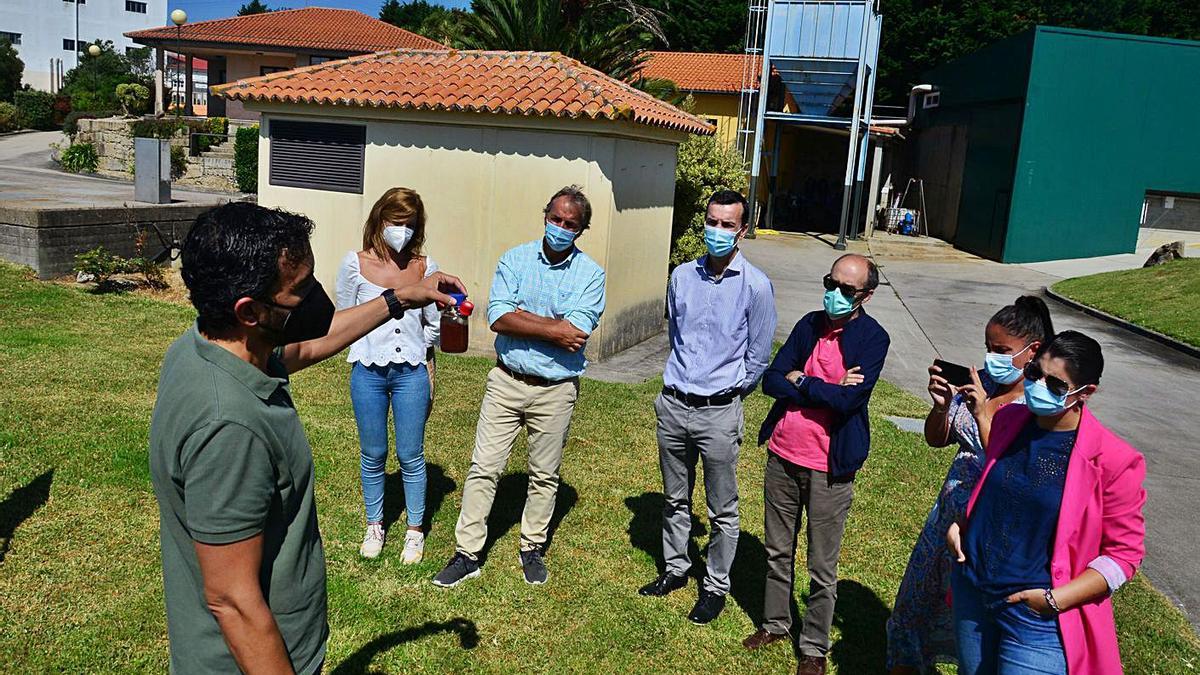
395	307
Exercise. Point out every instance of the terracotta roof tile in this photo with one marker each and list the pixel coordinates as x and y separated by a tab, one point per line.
702	71
513	83
310	28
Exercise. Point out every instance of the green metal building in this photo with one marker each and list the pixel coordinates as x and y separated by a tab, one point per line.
1046	145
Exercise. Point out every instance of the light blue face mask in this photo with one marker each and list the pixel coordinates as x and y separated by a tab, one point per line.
837	305
1000	367
1043	402
719	242
558	238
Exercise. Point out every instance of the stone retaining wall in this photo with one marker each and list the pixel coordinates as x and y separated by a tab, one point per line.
113	139
49	239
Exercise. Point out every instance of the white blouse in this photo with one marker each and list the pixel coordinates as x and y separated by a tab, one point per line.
403	340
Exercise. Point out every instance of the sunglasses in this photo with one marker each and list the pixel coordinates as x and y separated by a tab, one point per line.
846	289
1033	372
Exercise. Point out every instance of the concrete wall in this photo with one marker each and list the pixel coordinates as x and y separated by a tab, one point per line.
49	239
1084	168
484	180
1167	212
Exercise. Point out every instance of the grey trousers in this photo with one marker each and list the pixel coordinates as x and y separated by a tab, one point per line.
788	490
713	435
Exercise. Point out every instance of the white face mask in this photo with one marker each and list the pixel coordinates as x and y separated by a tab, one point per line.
397	236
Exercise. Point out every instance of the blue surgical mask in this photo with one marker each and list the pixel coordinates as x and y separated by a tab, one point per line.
719	242
1000	367
1043	402
558	238
837	305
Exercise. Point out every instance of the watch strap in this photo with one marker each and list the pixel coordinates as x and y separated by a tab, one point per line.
395	307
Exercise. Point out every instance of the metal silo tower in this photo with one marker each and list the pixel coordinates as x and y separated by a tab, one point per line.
822	54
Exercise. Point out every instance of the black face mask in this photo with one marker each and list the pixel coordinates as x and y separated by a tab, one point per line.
308	320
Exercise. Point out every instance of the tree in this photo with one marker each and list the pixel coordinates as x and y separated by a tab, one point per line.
608	35
253	7
407	15
702	25
447	26
93	83
918	35
11	69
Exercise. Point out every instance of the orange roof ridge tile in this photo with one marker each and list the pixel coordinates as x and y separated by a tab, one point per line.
519	83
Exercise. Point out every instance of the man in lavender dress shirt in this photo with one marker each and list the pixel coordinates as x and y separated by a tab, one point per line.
721	318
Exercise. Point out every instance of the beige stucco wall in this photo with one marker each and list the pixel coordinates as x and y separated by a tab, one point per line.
239	66
484	180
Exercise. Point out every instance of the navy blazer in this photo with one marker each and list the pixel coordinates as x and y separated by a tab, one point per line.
864	344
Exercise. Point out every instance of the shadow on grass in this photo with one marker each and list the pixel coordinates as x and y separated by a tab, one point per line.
645	531
437	486
862	618
509	504
360	661
20	505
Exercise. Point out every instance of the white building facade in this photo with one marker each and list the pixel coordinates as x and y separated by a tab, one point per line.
49	34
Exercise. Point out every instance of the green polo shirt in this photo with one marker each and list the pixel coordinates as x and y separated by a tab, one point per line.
229	460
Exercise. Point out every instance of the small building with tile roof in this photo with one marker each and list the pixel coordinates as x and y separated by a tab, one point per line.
259	44
485	138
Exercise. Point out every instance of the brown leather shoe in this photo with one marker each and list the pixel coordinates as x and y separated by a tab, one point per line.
762	638
811	665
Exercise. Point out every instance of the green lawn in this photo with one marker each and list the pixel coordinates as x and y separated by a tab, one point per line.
1164	298
80	584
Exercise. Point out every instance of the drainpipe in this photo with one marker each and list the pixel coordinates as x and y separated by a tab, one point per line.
921	89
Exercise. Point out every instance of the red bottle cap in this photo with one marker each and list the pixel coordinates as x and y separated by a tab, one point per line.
466	307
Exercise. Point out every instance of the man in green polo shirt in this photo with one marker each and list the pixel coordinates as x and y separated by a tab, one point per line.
243	568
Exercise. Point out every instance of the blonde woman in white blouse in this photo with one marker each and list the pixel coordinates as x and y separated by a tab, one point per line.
393	365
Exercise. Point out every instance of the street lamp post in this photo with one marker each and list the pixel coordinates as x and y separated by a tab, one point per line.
178	17
94	51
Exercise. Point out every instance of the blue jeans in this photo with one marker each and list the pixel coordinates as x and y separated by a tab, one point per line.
406	388
995	637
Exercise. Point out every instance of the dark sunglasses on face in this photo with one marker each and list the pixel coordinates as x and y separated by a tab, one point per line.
846	289
1033	372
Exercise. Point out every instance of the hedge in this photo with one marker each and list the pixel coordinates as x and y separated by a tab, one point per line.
245	159
35	109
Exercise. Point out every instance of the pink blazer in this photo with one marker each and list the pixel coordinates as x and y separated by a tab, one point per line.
1101	514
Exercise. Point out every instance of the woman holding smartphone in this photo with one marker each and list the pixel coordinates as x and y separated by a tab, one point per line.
921	628
393	364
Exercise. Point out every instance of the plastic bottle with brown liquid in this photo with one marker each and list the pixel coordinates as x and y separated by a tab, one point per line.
455	329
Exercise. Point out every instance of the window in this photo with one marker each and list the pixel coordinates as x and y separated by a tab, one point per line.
931	100
317	155
68	44
135	6
13	38
267	70
314	60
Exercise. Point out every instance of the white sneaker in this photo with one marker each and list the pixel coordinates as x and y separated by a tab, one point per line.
373	541
414	547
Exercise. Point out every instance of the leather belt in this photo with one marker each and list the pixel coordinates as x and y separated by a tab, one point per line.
535	380
694	401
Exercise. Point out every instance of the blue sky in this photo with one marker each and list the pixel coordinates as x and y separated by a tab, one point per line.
201	10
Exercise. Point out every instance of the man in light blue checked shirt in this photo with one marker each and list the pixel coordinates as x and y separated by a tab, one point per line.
721	312
546	299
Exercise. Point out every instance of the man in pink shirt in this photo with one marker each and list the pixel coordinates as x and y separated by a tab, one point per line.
817	436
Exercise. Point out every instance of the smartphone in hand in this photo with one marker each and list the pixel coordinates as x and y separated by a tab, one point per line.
956	375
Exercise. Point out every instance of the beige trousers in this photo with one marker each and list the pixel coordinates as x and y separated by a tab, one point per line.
508	404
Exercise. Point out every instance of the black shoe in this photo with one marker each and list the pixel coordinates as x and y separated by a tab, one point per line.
708	607
534	567
664	584
459	569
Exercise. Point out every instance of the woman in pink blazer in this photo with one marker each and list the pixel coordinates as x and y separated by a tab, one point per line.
1053	527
